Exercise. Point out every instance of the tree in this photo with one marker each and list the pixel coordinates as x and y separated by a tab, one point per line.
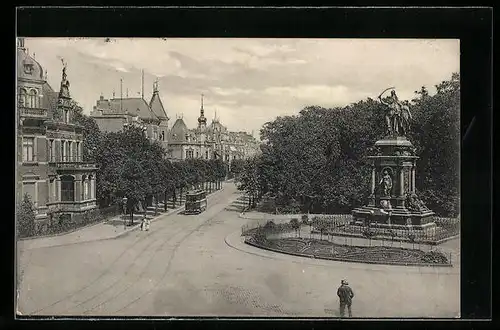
295	225
91	134
133	184
318	158
25	218
248	180
437	118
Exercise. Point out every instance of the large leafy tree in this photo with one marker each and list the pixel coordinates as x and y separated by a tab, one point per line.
92	136
436	133
318	158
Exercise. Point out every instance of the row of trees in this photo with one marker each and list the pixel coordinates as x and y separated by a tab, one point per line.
317	161
132	166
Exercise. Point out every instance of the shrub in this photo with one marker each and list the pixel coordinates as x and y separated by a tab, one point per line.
295	224
270	225
434	257
26	218
368	233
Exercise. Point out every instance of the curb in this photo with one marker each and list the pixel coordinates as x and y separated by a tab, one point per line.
345	260
64	233
173	211
127	231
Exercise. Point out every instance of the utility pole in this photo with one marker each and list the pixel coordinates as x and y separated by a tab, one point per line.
121	94
142	84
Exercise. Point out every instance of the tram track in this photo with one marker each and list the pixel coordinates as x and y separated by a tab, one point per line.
157	234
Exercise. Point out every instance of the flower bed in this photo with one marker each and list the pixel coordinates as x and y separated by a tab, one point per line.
321	249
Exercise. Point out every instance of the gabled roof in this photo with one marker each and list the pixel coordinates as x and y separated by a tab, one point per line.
157	106
49	99
178	131
135	106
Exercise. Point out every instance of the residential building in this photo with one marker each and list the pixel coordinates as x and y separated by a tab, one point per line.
114	114
50	168
209	142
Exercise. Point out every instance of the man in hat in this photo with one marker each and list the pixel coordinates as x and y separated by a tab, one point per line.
345	294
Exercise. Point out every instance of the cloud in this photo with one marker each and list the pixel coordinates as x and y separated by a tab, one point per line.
248	81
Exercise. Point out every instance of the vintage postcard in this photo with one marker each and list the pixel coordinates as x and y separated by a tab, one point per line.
224	177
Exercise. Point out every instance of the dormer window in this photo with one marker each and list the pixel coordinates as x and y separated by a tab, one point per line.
28	68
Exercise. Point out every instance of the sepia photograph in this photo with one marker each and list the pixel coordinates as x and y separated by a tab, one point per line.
238	177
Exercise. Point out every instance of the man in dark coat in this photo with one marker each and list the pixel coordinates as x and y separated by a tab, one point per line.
345	294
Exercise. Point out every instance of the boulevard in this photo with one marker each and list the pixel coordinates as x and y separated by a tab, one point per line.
198	266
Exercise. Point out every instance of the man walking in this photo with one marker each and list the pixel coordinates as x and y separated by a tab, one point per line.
345	294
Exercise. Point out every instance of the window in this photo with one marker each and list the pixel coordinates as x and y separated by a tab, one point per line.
51	150
197	154
63	150
66	116
22	97
33	99
28	149
189	153
67	154
91	187
78	152
85	190
67	189
206	154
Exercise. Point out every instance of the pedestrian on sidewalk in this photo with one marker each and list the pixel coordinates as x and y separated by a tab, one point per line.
144	223
345	294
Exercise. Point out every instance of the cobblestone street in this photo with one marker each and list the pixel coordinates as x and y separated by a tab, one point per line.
199	266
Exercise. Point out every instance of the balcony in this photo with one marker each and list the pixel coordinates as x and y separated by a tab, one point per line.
33	112
72	206
73	165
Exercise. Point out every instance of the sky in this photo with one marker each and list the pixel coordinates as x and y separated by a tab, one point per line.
247	82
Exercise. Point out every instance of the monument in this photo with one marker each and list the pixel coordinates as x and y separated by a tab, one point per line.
393	202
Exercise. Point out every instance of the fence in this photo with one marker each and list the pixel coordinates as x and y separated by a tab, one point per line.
269	235
341	224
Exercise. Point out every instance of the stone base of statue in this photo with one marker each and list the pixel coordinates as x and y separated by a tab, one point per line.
393	202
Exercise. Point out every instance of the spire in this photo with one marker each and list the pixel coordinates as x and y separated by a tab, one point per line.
201	110
202	121
113	93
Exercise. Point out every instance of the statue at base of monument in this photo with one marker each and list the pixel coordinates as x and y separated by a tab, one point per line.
386	184
413	203
397	116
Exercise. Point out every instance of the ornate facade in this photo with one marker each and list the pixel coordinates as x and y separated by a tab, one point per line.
50	167
209	142
113	114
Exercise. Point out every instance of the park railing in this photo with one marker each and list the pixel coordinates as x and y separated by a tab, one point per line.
342	225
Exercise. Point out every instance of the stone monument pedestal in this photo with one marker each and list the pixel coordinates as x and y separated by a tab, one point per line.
393	202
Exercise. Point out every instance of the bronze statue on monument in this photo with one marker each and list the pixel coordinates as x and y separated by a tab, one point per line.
397	115
393	175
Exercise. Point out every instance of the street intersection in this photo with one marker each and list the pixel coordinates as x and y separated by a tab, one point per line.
199	266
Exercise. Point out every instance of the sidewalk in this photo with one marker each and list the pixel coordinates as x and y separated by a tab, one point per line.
112	228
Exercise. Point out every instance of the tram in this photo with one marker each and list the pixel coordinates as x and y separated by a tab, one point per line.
196	202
